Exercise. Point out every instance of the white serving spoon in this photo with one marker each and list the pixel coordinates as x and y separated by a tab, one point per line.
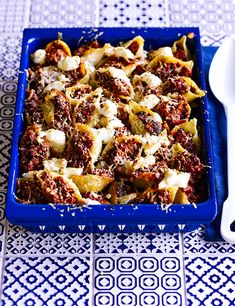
222	83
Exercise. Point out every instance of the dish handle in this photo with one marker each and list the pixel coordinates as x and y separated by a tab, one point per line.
226	221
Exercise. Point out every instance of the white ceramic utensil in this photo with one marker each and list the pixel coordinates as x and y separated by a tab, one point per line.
222	83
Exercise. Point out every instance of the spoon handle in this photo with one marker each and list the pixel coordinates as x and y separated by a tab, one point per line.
228	212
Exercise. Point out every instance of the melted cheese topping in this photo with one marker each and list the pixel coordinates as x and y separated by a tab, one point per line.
151	79
145	162
55	165
69	63
109	109
149	101
152	142
54	85
57	139
174	178
120	52
116	73
39	57
94	56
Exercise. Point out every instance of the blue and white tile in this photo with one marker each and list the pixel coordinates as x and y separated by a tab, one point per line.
195	244
151	13
46	281
215	18
22	242
5	146
137	243
10	56
63	13
138	281
210	280
14	15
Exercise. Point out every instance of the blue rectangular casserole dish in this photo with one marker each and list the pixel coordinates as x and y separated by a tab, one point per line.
108	218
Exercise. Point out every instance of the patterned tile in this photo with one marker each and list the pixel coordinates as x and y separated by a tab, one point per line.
138	281
46	281
9	56
210	281
137	243
63	13
7	104
2	224
13	15
194	243
134	13
214	17
21	242
5	146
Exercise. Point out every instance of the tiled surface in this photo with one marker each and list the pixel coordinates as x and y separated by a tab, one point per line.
210	281
13	15
138	281
216	19
106	269
22	242
194	244
46	281
53	13
138	243
9	56
134	13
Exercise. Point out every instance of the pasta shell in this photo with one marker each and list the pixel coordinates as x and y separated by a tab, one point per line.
91	182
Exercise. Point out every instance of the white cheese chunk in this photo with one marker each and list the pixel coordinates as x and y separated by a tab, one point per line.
69	63
54	85
94	56
116	73
156	117
39	57
114	123
152	142
105	134
120	52
164	51
89	201
149	101
145	162
151	79
174	178
55	164
69	171
57	139
109	109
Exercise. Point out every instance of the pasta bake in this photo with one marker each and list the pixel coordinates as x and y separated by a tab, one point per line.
111	124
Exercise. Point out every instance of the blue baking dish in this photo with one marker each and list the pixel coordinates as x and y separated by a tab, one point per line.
108	218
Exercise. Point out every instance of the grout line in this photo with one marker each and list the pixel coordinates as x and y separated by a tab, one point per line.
183	267
97	22
167	10
3	256
27	14
45	255
92	270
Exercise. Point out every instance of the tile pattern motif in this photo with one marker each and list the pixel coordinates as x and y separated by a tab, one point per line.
134	13
63	13
210	281
216	19
138	243
194	244
138	281
21	242
120	269
9	56
46	281
13	15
